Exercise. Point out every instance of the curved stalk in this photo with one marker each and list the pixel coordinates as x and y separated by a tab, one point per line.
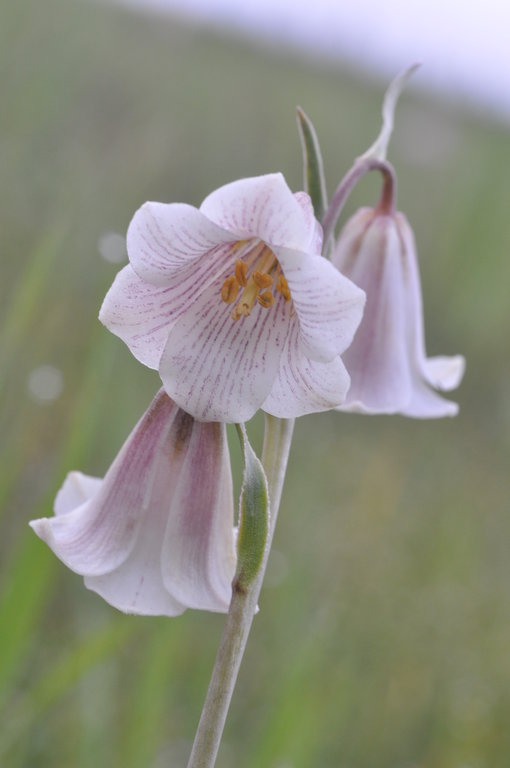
344	189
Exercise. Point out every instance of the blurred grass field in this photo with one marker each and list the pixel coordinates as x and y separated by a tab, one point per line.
384	631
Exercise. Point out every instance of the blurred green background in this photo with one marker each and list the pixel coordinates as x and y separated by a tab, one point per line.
384	631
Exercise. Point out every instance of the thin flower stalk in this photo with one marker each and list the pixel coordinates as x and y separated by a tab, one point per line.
275	453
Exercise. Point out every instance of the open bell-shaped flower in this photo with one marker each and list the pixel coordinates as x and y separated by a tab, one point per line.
155	536
387	362
233	304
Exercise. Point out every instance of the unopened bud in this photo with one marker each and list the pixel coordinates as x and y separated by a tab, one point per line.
387	362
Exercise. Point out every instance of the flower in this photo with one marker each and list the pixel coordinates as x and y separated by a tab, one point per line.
156	535
387	362
234	305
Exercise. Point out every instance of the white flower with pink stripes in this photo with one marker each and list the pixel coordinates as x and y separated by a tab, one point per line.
234	305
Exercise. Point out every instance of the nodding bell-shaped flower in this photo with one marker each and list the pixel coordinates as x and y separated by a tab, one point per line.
234	305
387	362
155	536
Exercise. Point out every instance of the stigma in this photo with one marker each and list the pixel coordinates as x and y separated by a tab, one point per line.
256	278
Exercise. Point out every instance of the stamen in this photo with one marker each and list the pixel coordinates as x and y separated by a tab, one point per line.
282	287
241	272
254	272
265	299
229	290
262	279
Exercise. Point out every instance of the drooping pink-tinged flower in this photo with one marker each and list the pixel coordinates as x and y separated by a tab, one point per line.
155	536
234	305
387	362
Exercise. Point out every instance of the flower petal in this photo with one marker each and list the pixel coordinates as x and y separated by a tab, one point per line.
168	491
378	361
427	404
199	559
219	369
303	385
77	489
387	361
98	535
164	238
315	229
444	372
142	314
262	207
440	372
328	305
136	586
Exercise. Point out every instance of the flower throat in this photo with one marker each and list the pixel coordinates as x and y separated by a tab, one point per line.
257	276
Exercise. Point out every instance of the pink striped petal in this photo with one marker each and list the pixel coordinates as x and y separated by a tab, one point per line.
142	314
200	524
164	238
220	369
159	497
328	305
387	361
377	360
262	207
139	313
303	385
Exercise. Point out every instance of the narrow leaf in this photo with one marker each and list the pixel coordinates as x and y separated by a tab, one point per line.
314	181
379	148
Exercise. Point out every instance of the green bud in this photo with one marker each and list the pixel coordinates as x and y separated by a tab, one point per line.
253	516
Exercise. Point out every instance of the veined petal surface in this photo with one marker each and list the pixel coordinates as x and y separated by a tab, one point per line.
389	370
210	296
163	238
221	370
262	207
304	385
329	307
168	491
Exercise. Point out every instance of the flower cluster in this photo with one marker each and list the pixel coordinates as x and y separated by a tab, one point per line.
237	309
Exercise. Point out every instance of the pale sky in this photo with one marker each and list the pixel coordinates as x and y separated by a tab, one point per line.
464	45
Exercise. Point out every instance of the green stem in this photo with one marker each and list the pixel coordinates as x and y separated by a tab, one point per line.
275	453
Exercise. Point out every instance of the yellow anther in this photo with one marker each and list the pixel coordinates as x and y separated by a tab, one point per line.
265	299
229	290
282	287
262	279
241	272
254	275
